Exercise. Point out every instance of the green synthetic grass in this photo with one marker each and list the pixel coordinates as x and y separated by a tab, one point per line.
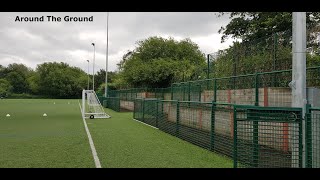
27	139
123	142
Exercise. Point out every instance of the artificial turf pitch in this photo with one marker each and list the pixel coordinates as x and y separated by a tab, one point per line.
27	139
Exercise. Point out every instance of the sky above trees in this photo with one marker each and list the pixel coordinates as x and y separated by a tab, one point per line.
33	43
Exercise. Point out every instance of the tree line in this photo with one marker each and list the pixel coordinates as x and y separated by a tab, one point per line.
49	79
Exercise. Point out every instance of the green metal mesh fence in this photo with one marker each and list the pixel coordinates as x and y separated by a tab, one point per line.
263	89
222	129
101	99
267	137
113	103
138	111
253	136
313	137
195	122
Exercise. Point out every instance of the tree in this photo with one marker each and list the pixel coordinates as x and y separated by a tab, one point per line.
33	82
5	88
265	42
18	82
158	62
100	78
59	80
17	75
253	25
2	69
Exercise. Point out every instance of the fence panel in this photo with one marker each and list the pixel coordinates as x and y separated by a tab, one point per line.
113	103
313	137
267	137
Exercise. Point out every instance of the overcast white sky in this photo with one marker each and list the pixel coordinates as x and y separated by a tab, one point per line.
33	43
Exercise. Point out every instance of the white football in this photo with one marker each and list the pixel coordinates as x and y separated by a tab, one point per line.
44	114
8	115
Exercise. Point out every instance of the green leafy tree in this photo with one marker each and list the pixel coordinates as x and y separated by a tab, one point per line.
100	79
17	75
5	88
33	82
18	82
2	69
59	80
158	62
265	42
250	26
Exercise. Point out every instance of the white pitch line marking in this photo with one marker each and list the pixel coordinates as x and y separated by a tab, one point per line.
145	124
93	149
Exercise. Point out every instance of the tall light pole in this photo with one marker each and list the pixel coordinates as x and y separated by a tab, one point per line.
88	74
107	54
94	52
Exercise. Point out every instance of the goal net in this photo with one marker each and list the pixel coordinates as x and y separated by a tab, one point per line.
91	106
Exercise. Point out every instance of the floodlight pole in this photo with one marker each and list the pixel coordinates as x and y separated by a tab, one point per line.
298	83
94	52
88	75
107	54
208	70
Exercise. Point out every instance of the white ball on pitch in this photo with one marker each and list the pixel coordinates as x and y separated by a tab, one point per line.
44	114
8	115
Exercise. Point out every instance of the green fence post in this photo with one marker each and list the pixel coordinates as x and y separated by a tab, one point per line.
255	140
255	132
256	89
143	103
235	140
308	138
163	92
275	51
171	92
178	119
189	91
274	59
300	142
134	108
215	90
199	93
157	109
118	104
212	130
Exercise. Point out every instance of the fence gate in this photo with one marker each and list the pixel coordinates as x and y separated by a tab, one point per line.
267	137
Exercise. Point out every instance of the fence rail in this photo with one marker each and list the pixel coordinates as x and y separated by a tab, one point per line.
252	136
203	113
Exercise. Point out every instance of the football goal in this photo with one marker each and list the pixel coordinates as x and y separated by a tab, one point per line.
91	106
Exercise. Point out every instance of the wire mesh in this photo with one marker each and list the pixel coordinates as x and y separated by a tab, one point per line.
222	129
113	103
313	138
268	137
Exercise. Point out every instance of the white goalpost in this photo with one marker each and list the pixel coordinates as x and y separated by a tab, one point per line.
91	106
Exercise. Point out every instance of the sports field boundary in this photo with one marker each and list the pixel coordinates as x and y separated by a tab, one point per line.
93	149
145	124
